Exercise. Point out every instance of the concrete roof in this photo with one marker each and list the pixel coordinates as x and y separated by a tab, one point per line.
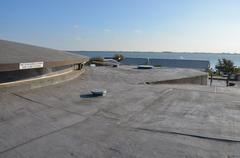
133	120
12	53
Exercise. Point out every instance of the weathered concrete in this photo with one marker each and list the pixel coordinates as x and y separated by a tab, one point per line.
130	74
40	81
12	53
133	120
200	80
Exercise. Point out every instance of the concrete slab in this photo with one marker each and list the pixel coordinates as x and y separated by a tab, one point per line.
132	120
93	138
22	130
209	116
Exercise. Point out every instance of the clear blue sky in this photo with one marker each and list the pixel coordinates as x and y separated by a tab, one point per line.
136	25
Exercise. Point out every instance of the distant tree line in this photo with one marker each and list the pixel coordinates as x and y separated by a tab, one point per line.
100	61
118	57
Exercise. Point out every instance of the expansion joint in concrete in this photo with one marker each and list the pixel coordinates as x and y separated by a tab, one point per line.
188	135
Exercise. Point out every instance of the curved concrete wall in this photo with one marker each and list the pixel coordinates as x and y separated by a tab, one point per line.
10	76
42	81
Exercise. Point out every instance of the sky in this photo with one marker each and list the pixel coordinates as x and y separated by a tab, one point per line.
124	25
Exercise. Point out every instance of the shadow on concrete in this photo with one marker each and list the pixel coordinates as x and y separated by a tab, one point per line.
88	96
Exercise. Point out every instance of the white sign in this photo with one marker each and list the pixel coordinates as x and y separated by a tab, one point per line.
32	65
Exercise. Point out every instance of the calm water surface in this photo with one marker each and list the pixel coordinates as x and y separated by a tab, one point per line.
212	57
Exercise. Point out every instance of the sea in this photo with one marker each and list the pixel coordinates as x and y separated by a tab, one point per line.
211	57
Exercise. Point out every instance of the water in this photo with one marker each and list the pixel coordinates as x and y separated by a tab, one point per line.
211	57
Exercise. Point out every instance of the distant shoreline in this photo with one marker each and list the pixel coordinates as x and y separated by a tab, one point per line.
119	52
212	57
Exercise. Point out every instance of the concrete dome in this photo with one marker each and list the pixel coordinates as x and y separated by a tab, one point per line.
22	61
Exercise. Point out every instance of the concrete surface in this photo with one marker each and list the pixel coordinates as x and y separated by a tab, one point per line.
199	80
13	53
40	81
133	120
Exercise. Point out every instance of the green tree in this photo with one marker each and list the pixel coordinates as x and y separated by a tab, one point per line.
118	57
236	70
225	66
100	59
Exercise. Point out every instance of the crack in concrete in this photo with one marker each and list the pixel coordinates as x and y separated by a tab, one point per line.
48	106
39	137
116	151
185	134
31	100
104	113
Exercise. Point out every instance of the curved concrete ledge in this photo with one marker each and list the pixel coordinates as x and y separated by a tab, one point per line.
199	80
46	80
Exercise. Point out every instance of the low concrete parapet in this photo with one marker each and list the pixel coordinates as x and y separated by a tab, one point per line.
199	80
50	79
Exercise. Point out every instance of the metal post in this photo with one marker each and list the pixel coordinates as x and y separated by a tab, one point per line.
211	79
227	81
